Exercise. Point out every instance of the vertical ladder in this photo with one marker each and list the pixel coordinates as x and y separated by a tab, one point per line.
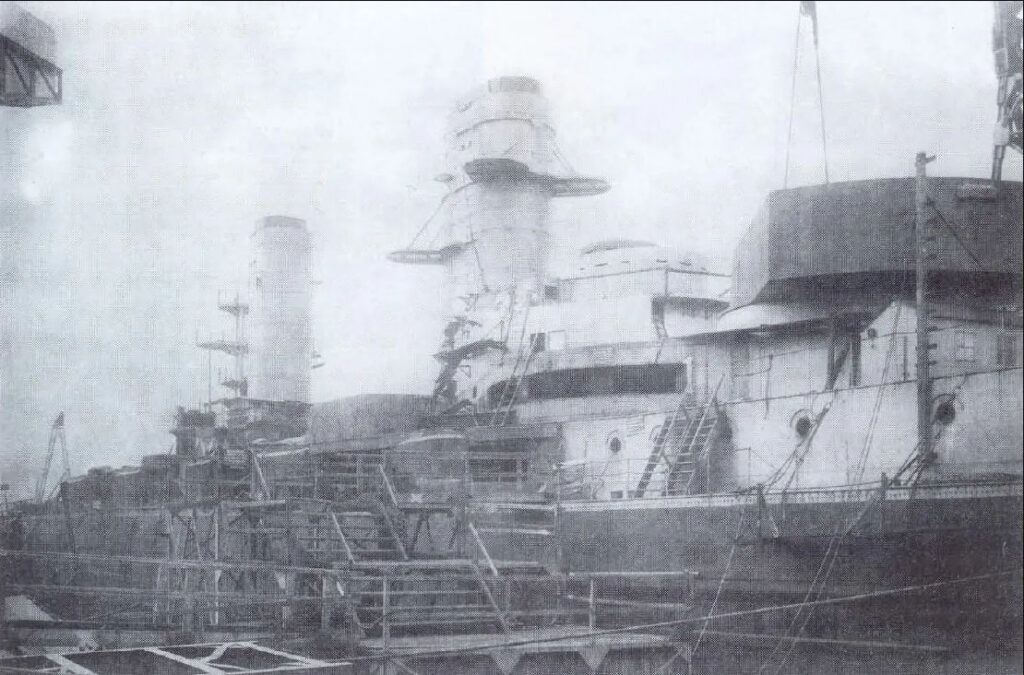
511	388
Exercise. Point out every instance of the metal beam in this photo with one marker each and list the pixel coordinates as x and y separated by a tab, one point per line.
69	666
201	666
28	68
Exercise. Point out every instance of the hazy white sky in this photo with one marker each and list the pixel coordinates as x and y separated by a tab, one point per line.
128	207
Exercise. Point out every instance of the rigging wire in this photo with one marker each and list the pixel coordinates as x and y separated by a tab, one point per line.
792	100
557	152
872	423
809	9
721	583
821	101
831	555
692	620
433	215
791	632
956	235
889	592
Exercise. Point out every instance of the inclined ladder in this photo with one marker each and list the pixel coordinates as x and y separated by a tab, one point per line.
694	447
686	439
676	427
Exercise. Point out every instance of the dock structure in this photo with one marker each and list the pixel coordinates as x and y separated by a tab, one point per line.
233	563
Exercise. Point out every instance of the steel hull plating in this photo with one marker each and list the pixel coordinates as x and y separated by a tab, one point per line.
912	553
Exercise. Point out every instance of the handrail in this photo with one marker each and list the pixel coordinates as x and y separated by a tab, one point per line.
519	380
483	549
612	602
390	490
394	535
259	475
704	414
693	441
490	598
341	535
387	485
515	365
660	443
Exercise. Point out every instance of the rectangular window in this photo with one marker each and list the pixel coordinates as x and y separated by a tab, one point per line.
855	359
538	342
906	356
739	368
603	381
963	346
556	339
1006	350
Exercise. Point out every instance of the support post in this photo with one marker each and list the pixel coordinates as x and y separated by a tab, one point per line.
925	449
591	613
4	571
385	622
325	609
65	503
559	552
217	514
480	548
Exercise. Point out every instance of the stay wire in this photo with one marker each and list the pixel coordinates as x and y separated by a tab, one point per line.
792	100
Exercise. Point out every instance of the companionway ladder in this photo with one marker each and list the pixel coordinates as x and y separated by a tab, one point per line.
685	440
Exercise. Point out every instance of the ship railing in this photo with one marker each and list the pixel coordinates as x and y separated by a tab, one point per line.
198	595
618	478
348	476
335	476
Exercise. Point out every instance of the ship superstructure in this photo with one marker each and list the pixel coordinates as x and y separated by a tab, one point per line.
491	234
819	447
809	418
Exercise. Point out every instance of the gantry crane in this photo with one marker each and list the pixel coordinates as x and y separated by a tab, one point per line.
56	434
1007	47
28	75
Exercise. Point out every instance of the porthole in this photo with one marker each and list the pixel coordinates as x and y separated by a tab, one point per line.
945	413
614	445
802	423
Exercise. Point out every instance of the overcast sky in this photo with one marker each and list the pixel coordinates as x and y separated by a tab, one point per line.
129	207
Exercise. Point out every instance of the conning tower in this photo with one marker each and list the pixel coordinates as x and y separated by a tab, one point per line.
503	168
